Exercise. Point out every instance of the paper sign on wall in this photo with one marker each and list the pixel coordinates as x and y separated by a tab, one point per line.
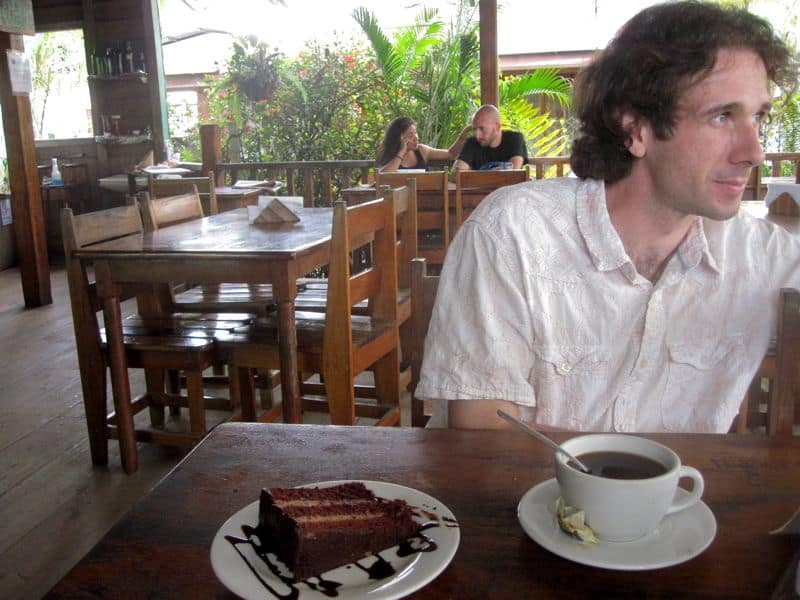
5	211
19	69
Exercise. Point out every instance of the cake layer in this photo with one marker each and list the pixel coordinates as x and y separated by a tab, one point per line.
313	530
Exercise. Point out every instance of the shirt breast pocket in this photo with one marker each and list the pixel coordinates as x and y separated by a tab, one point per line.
692	370
566	379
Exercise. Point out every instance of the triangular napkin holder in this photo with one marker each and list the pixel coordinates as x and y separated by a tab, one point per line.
783	199
274	212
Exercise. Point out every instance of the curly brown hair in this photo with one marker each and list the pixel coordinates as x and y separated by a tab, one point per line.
647	67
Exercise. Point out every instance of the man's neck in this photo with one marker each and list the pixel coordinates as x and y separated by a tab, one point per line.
497	140
649	232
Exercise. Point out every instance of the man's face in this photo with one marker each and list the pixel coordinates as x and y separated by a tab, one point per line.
703	168
487	130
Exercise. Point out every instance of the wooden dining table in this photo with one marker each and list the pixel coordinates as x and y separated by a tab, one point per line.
217	249
161	548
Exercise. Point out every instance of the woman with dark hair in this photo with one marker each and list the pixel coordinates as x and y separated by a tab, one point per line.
401	149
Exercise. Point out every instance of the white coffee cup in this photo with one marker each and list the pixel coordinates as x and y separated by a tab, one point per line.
620	510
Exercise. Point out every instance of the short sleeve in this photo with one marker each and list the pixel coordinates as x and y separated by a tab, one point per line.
479	342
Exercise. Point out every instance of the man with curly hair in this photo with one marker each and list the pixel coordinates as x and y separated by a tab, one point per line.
635	297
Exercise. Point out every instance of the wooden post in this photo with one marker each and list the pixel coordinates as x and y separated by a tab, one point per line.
490	92
210	147
26	200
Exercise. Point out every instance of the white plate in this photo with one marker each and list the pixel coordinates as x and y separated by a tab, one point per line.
679	537
410	572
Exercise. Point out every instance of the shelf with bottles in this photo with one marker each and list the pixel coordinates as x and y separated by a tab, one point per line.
118	61
137	75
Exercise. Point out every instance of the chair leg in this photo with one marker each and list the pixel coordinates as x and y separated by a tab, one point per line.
339	388
174	387
197	410
154	380
387	380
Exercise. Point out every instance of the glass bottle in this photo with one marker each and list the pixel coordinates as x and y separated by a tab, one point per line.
55	174
128	63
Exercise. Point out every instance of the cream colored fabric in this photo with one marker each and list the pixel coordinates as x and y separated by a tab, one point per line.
539	304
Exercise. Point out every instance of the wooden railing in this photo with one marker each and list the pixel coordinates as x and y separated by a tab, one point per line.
321	181
318	181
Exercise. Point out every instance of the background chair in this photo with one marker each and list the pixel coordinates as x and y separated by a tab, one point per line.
314	296
433	211
775	412
336	343
473	186
204	186
423	297
156	345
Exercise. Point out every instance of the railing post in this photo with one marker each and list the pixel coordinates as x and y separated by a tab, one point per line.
210	148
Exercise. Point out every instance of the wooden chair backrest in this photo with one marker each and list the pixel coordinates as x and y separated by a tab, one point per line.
172	187
170	210
352	227
430	183
79	231
781	412
480	184
423	297
779	367
405	204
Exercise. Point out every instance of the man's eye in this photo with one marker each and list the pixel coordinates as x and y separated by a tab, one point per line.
720	118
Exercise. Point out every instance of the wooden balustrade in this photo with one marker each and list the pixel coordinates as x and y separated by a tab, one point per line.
318	181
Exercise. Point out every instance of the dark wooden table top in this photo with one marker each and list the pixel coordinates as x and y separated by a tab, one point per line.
222	236
161	548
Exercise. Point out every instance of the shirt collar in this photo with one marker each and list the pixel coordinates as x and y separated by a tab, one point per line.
605	246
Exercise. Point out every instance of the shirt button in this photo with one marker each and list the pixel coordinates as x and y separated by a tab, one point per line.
566	367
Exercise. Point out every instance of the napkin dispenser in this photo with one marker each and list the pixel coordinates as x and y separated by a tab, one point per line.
783	199
271	210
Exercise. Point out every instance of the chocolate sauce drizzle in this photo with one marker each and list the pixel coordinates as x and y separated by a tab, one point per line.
378	569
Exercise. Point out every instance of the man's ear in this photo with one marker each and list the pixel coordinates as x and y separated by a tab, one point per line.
634	126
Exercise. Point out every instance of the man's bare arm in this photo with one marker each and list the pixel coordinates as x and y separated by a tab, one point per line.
479	414
516	161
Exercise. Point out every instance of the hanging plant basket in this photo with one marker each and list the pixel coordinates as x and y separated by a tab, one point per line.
254	70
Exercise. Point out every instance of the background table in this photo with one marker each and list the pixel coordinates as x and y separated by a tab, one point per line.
161	548
217	249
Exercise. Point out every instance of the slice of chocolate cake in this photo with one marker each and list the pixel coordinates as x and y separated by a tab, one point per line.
313	530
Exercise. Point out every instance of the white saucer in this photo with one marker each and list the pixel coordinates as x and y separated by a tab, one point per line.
679	537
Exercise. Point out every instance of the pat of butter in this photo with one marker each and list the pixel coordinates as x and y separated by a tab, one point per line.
572	522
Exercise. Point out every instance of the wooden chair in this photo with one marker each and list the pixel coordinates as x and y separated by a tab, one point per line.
776	415
172	187
433	211
423	296
155	345
314	296
338	344
473	186
222	297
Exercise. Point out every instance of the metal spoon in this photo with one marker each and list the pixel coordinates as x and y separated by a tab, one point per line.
542	438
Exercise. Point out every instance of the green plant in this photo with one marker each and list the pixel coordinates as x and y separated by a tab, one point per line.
436	74
253	69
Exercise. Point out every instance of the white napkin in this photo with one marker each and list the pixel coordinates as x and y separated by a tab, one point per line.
271	210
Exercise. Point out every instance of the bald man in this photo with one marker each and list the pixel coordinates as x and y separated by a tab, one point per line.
491	147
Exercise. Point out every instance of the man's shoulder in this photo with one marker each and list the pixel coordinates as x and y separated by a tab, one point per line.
538	196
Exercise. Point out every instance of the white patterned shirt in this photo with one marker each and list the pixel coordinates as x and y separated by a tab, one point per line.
540	305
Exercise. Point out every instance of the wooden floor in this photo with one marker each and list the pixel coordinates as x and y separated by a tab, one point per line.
54	504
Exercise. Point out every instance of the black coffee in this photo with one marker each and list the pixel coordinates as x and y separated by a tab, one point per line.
621	465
